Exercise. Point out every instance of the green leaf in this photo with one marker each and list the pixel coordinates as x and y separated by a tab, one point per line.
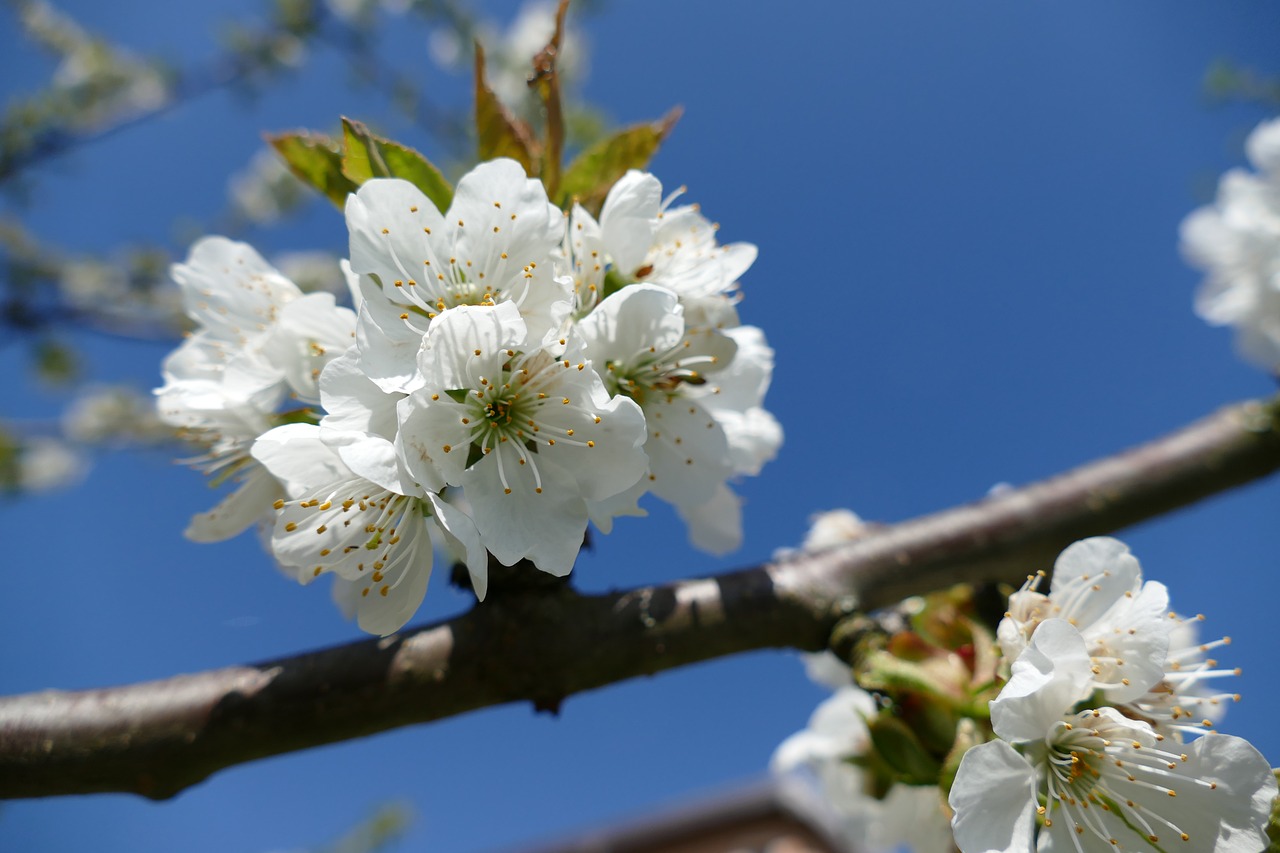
55	362
902	750
599	167
498	132
10	468
368	155
316	160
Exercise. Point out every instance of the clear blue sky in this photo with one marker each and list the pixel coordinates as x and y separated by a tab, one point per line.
967	219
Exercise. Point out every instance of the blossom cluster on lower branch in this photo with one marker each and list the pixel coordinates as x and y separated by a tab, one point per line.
1084	722
509	373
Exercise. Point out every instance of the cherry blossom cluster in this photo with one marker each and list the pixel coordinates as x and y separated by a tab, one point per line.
510	371
1101	729
1085	723
1236	241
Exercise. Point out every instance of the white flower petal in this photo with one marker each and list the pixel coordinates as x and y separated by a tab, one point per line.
1091	576
688	451
312	331
994	798
384	607
715	526
628	219
545	527
459	526
230	290
238	511
1048	678
470	343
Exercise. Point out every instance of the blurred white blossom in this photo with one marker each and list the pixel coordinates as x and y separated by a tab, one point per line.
313	272
265	190
46	464
826	753
1236	241
114	414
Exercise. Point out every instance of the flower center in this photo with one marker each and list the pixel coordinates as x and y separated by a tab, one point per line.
449	282
1108	784
652	371
505	414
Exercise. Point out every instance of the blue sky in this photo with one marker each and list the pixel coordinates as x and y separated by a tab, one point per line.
967	219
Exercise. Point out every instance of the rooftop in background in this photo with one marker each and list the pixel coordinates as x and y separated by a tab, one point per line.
783	816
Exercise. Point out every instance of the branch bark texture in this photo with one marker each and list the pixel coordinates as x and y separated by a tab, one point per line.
543	645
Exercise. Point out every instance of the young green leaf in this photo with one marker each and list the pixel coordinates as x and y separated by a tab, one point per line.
368	155
498	132
316	160
599	167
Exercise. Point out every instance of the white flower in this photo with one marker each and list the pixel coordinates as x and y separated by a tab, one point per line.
637	340
114	414
530	435
831	528
1183	702
257	338
1097	586
1143	655
827	669
46	464
495	245
1237	242
371	536
698	435
827	749
641	238
1095	780
265	190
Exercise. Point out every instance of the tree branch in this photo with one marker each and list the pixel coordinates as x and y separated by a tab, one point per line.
159	737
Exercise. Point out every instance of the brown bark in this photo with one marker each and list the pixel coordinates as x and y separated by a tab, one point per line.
543	645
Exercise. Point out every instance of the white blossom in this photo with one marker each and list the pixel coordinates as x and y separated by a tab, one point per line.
687	382
636	338
1061	779
1143	655
495	245
831	528
827	750
114	414
1097	586
1236	241
257	338
371	535
46	464
530	434
641	237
